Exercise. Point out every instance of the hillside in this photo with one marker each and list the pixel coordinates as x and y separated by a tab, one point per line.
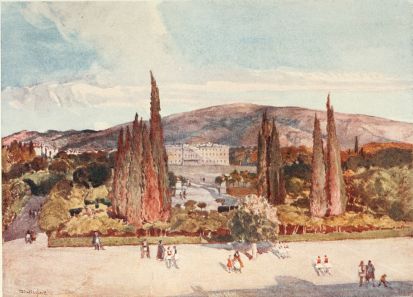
235	125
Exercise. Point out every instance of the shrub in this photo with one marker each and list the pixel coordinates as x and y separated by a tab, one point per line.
98	173
14	196
104	201
59	166
61	155
294	185
81	176
255	220
302	202
46	185
16	171
396	211
39	163
190	205
202	205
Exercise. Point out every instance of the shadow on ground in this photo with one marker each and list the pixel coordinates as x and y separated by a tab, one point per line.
294	287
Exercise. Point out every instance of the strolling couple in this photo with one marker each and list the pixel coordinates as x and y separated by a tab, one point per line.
323	266
235	264
366	273
170	255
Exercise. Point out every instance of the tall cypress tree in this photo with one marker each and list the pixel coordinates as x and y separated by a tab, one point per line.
134	209
262	162
158	147
335	187
140	190
318	199
276	188
356	145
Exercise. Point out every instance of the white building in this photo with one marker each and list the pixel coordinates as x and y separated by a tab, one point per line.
198	154
45	150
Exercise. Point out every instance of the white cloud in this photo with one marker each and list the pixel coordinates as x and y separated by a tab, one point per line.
129	37
49	96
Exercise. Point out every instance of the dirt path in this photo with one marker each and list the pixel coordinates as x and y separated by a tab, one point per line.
23	221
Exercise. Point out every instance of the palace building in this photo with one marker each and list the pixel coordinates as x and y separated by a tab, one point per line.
198	154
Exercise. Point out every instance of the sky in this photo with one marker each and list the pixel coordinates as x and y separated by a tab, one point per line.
85	65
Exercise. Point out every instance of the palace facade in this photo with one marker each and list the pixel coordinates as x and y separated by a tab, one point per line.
198	154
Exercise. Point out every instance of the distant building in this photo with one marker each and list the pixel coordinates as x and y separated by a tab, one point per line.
45	150
198	154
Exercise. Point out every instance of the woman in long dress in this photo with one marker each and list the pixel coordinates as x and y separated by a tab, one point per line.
237	258
161	251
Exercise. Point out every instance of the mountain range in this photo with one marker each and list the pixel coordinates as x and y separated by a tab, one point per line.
235	125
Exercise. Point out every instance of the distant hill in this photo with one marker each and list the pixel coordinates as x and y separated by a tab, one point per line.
235	125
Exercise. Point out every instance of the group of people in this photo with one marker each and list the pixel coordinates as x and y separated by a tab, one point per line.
168	254
366	275
30	236
235	263
33	213
323	266
281	250
182	195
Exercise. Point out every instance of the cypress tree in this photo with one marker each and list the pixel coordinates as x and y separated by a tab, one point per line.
335	187
318	200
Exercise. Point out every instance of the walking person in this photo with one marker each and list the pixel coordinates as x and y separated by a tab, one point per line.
97	242
161	251
370	273
229	264
28	237
327	265
362	272
237	262
175	257
145	250
168	257
32	235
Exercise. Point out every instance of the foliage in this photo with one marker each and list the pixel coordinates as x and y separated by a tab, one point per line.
197	221
16	153
39	163
381	155
219	180
294	186
292	215
382	191
172	179
41	184
202	205
55	211
81	176
16	171
80	225
98	173
95	174
15	194
190	204
255	220
298	169
59	166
